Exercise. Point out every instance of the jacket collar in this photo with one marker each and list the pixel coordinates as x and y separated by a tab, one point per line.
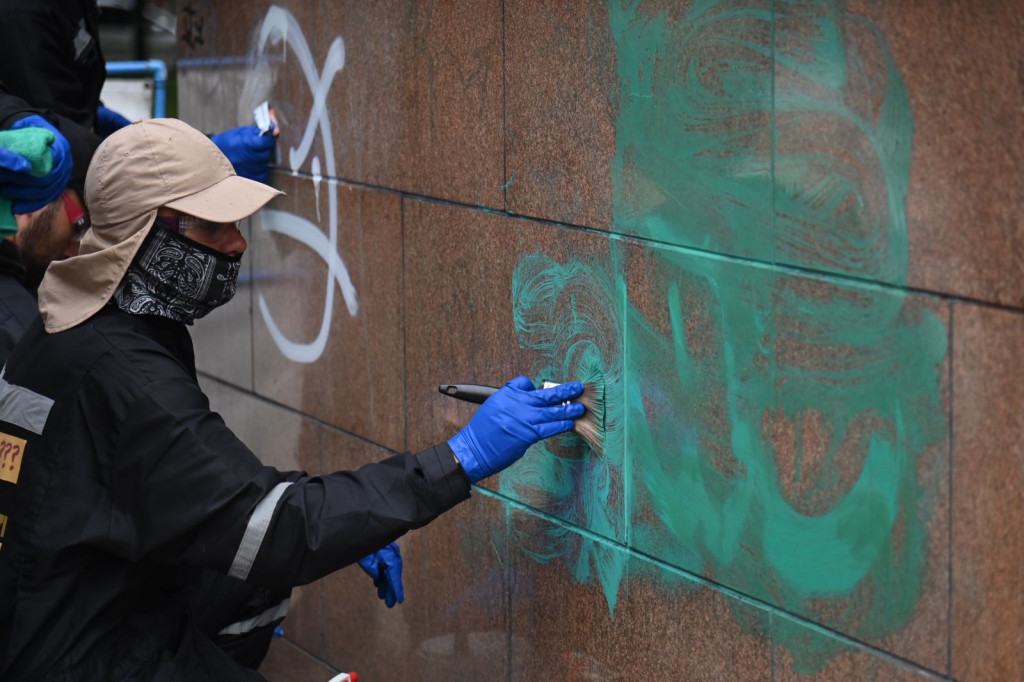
10	261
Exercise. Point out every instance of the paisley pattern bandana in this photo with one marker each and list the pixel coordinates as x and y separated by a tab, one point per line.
175	277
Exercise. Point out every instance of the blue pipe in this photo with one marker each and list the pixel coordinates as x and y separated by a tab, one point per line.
157	68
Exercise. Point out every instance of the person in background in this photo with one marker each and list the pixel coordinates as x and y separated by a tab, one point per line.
50	56
142	539
42	216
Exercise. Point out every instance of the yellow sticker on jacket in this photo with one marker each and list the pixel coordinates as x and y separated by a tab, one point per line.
12	450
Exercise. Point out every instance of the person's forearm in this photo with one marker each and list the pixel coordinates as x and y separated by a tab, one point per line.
323	523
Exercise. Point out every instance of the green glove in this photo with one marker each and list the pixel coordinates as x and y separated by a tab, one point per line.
24	152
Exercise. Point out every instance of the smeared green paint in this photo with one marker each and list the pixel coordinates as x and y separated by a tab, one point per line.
511	179
562	313
784	432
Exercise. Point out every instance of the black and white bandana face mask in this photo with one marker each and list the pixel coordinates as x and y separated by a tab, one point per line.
173	276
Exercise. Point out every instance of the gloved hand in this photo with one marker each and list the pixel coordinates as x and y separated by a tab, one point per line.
512	420
385	567
248	151
17	182
109	121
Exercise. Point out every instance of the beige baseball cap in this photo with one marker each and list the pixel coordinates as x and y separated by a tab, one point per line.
140	168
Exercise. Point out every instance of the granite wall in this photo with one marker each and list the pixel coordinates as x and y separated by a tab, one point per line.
787	237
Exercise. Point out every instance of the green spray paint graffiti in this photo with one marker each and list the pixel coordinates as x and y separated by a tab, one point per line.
779	434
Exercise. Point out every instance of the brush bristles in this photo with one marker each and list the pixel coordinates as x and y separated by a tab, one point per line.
590	426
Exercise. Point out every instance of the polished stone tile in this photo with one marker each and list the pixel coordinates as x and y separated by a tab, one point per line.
328	318
231	59
988	503
842	146
561	90
278	436
815	654
490	297
400	94
856	533
569	623
961	69
418	103
788	438
699	387
287	663
693	144
452	624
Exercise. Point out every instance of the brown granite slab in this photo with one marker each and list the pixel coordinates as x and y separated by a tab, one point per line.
452	624
843	132
860	439
788	438
328	320
489	297
655	625
961	69
692	164
286	662
820	655
230	59
418	103
561	93
988	502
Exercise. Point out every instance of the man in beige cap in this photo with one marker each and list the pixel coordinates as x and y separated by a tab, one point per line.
139	538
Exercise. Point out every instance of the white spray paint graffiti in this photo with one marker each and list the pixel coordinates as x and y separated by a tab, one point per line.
281	26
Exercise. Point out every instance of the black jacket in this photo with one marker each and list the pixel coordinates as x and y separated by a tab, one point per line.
51	64
18	305
124	488
50	56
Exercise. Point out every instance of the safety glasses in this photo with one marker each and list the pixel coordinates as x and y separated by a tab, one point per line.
182	223
77	214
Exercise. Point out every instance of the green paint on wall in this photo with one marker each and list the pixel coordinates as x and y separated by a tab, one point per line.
562	313
782	435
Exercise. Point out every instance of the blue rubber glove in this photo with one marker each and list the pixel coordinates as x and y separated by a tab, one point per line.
385	567
248	151
109	121
512	420
13	164
17	182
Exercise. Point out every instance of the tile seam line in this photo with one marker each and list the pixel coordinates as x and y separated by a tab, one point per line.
706	582
951	353
772	618
405	332
307	652
504	110
288	408
787	268
504	202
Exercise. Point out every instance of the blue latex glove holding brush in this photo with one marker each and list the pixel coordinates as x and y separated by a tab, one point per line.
500	432
512	420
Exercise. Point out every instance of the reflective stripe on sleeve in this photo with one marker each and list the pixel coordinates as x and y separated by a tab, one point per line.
254	532
265	618
22	407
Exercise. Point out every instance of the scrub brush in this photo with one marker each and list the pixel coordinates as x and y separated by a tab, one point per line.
589	427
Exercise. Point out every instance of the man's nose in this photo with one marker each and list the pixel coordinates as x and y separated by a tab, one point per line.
232	243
